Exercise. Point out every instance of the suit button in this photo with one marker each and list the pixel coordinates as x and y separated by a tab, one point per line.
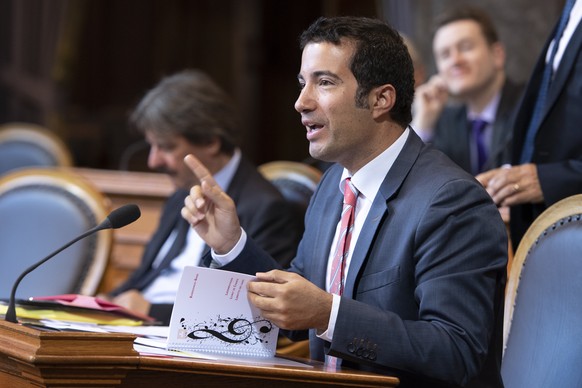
352	346
371	350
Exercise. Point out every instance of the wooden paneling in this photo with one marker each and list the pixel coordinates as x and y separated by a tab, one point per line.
147	190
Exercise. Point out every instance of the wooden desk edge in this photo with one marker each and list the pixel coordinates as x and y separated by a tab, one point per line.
317	374
43	348
38	347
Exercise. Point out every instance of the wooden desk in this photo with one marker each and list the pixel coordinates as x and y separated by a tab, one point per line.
33	358
147	190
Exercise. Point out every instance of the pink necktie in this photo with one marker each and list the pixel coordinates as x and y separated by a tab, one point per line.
336	284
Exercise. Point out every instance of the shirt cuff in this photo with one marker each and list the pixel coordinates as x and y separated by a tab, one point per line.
225	259
328	334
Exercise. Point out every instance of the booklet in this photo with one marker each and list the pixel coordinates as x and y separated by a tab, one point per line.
212	314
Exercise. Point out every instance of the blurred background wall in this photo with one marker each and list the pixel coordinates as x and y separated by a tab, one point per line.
79	66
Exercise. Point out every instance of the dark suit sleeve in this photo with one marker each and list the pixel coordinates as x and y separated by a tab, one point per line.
560	180
252	259
451	136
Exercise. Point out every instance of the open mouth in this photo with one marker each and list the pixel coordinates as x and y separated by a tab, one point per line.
313	127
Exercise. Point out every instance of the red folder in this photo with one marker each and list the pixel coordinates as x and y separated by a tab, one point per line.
88	302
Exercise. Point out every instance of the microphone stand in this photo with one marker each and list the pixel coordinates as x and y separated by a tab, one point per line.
116	219
11	311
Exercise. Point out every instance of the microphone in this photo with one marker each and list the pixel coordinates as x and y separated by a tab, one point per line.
118	218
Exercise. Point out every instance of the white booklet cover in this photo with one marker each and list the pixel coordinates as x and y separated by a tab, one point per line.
212	314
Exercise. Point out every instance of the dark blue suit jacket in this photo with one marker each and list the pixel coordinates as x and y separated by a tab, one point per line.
424	295
558	143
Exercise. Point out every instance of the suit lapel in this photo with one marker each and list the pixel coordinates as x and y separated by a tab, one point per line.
565	67
363	245
326	214
464	138
379	210
502	130
239	179
170	217
182	228
151	273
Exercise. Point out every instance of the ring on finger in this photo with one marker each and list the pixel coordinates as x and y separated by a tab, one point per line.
515	187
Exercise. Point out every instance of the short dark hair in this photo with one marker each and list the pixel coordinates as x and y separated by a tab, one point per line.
475	14
189	104
380	58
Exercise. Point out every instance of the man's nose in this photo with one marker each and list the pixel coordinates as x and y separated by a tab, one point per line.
155	159
305	100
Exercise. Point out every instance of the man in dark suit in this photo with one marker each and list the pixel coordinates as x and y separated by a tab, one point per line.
552	170
415	287
471	69
188	113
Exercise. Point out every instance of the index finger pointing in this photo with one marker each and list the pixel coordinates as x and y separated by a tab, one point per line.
199	170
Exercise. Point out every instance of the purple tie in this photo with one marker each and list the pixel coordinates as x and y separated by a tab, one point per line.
478	132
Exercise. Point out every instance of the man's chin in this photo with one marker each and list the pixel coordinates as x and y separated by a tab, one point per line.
317	153
461	92
323	158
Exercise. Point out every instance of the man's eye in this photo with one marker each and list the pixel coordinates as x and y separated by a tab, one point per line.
466	46
166	147
443	55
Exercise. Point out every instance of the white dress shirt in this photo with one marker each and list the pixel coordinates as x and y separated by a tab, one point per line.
573	21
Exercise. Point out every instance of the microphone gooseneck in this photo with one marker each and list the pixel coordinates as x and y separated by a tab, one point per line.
116	219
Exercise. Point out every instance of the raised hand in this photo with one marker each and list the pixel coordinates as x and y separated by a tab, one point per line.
429	101
210	211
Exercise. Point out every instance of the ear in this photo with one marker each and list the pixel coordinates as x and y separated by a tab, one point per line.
214	146
498	51
210	149
383	99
